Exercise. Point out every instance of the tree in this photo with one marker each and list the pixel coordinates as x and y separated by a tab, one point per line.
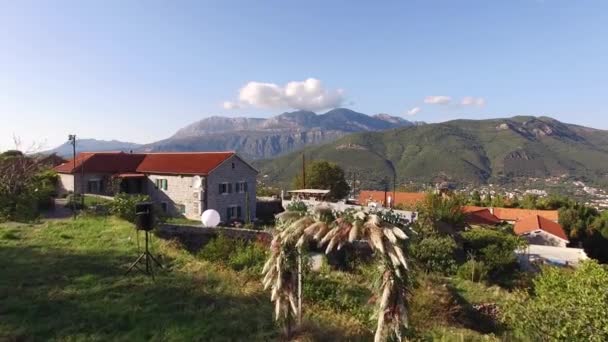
475	198
324	175
26	184
564	305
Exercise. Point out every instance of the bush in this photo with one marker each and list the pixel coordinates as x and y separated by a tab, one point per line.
473	270
297	206
74	201
494	248
435	254
123	205
337	295
236	254
218	249
250	257
565	306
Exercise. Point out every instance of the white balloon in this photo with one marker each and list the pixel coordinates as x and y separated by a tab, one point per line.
210	218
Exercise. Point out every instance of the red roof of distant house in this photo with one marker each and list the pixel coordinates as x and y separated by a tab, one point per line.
536	222
187	163
479	215
515	214
400	198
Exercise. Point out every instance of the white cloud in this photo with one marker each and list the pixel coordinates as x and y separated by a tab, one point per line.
414	111
305	95
230	105
438	99
473	101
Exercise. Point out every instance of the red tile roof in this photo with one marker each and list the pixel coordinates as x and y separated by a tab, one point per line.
102	162
183	163
195	163
515	214
536	222
480	215
409	199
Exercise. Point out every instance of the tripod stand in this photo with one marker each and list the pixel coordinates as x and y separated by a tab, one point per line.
147	258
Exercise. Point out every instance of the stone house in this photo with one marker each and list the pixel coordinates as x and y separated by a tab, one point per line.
182	184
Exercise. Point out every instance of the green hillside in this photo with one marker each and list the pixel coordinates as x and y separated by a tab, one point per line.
461	151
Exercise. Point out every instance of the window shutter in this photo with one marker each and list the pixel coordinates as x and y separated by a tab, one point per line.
245	186
165	185
238	212
227	213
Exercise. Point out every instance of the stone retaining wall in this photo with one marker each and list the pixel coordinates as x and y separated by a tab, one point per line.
195	237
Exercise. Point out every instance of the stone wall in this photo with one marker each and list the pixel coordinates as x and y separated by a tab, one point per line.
180	192
195	237
226	173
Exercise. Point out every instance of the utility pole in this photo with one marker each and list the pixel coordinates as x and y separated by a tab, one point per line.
72	139
303	171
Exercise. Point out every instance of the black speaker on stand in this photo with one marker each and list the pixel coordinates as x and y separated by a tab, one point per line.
144	220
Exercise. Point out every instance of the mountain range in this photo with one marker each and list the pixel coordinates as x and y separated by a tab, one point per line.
256	138
461	151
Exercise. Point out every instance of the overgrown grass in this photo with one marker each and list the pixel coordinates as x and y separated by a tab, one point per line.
64	280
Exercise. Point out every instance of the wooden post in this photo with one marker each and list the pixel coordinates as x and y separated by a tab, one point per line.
299	287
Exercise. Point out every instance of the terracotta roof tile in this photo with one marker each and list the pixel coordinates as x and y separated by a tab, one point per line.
536	222
195	163
480	215
401	198
515	214
183	163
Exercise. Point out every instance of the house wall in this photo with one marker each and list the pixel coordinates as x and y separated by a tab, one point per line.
241	172
179	192
545	239
66	183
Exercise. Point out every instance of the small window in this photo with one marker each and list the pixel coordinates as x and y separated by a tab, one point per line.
161	183
241	187
233	166
225	188
164	207
233	212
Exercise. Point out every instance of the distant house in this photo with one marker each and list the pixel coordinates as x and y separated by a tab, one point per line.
539	230
475	216
183	184
405	199
539	227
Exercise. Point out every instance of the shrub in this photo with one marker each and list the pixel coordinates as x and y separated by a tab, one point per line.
473	270
494	248
219	249
337	295
123	205
250	257
234	253
298	206
435	254
565	305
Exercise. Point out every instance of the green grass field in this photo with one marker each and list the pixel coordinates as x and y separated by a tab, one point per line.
64	280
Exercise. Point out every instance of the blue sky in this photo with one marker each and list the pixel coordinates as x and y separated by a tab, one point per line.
139	70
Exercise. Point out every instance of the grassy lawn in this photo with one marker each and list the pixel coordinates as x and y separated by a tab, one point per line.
64	280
